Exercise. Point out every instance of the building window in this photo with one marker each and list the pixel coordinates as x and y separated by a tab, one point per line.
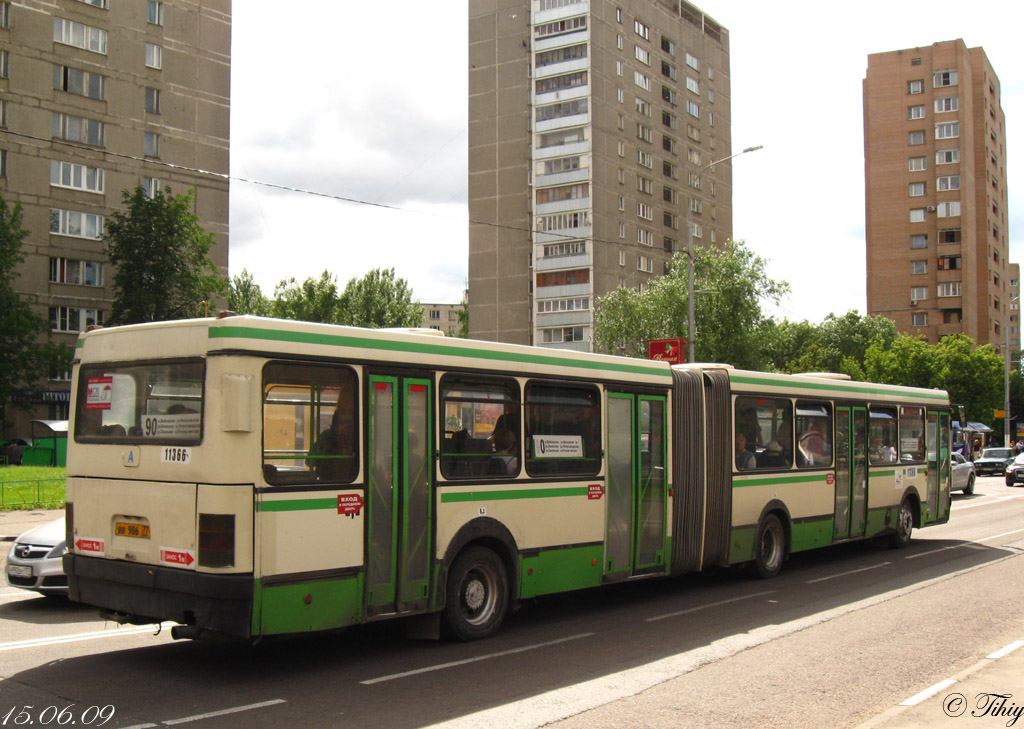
151	186
562	334
562	136
101	4
915	138
949	235
645	159
562	164
563	221
564	81
559	250
949	288
947	156
919	293
70	319
693	109
669	170
643	55
949	130
668	119
917	215
563	278
919	241
948	209
693	62
76	224
82	83
79	35
949	182
915	87
945	78
645	211
644	184
551	306
563	192
77	129
917	189
5	64
154	12
947	103
668	70
917	164
3	163
559	55
642	81
643	132
693	86
919	319
154	56
5	15
151	144
152	100
567	108
641	30
668	46
75	272
915	112
918	268
643	106
644	237
76	177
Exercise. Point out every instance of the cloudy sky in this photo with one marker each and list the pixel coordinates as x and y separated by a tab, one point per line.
365	104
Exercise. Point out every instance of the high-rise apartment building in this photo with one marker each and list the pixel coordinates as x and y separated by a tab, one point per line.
936	202
591	126
96	97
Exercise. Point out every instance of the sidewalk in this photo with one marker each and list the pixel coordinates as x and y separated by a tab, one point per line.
15	523
988	694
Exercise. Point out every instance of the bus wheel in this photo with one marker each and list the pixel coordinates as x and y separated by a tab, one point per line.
476	595
904	526
769	548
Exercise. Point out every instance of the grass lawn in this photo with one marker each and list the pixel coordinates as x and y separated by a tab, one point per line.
31	487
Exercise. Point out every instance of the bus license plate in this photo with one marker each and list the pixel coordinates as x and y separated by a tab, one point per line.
125	529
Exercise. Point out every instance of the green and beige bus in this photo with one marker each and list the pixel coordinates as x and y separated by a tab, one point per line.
253	477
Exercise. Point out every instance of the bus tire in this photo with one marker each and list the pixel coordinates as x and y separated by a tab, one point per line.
477	595
900	538
769	547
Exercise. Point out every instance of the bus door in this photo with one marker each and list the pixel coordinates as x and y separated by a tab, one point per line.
399	536
851	472
937	435
635	522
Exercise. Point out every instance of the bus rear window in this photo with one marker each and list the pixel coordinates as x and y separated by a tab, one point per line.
153	402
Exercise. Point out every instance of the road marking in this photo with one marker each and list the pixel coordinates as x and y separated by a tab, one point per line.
972	543
223	712
452	664
986	502
709	605
548	707
1006	650
76	637
928	692
851	572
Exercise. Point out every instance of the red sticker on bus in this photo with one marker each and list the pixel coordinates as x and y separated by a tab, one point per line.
380	386
595	491
831	479
350	504
417	388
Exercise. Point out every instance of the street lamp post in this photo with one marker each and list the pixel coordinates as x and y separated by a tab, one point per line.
1006	381
691	350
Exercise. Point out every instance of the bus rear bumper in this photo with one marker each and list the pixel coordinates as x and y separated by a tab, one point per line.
143	594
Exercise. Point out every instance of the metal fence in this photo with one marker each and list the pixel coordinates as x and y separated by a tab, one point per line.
34	492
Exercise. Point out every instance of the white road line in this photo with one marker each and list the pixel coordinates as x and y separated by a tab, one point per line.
76	637
222	712
845	574
442	666
928	692
972	543
1006	650
709	605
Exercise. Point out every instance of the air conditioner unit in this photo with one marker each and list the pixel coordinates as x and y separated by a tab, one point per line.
930	208
913	302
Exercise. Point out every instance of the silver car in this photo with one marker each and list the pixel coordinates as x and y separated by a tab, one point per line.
34	562
963	474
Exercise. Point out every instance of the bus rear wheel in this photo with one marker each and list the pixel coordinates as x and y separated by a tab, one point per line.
904	526
769	547
477	595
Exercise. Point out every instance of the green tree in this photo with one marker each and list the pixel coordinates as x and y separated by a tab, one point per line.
160	255
379	299
973	376
245	296
731	282
909	361
313	300
24	357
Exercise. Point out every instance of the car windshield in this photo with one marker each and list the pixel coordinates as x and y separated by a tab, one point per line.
1019	460
997	453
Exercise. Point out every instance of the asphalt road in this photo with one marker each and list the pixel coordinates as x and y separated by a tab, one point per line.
838	639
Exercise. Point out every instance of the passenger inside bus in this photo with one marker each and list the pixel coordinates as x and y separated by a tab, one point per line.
505	461
333	454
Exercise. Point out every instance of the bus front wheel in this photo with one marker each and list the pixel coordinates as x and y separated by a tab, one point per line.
477	596
769	548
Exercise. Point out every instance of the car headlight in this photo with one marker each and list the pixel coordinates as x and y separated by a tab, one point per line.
57	551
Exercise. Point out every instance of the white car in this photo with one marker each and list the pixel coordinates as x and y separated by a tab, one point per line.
34	562
963	474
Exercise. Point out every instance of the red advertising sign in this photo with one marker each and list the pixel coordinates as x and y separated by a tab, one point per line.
350	504
98	393
672	350
595	491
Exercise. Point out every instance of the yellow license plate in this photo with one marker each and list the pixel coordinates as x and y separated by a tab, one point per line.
125	529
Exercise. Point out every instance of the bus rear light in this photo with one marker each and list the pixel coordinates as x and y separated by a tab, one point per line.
216	540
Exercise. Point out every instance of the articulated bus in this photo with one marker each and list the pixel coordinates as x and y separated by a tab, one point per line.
253	477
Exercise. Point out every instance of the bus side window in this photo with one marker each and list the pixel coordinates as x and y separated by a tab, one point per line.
563	429
310	424
475	409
